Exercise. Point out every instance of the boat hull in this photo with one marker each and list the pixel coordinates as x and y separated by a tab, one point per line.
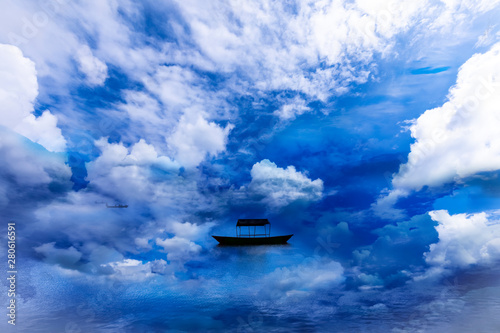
223	240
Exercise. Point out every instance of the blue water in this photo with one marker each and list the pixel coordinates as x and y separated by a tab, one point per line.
227	293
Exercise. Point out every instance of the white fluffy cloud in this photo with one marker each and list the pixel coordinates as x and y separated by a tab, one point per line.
127	173
280	187
189	230
311	275
277	44
43	130
292	109
178	248
94	69
464	240
18	91
175	86
18	85
458	139
135	270
178	108
195	138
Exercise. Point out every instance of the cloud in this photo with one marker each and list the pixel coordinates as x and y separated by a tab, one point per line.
129	173
458	139
152	187
292	109
142	108
195	138
252	40
310	276
18	91
178	107
464	241
29	172
256	39
384	206
175	86
487	38
115	28
29	165
190	231
173	91
480	6
280	187
178	248
56	35
94	69
101	260
66	258
136	270
396	255
179	113
18	85
43	130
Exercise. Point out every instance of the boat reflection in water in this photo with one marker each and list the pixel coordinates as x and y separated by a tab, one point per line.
243	238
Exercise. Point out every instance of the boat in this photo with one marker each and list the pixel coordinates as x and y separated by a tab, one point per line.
117	206
249	238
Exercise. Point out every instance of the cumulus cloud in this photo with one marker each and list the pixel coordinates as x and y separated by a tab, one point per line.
458	139
135	270
152	187
397	252
26	168
189	230
101	260
128	173
311	275
94	69
43	130
195	138
84	222
280	187
18	85
66	258
180	108
27	165
464	240
178	248
18	91
225	63
182	245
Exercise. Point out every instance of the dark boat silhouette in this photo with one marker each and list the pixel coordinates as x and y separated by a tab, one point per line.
253	238
116	206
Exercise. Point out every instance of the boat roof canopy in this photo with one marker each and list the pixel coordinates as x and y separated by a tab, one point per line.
252	222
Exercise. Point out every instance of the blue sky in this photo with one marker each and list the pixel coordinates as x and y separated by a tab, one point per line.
368	129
